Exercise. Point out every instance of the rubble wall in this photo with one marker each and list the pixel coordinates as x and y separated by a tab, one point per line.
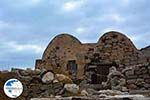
138	77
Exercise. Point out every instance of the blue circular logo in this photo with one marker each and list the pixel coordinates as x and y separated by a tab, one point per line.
13	88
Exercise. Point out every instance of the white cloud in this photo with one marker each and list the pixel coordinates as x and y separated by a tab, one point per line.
72	5
80	30
25	47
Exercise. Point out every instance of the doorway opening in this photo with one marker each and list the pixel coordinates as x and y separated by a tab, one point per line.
98	72
72	67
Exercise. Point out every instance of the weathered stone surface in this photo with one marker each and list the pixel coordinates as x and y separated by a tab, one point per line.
63	78
48	77
147	85
115	80
147	80
131	81
129	72
132	86
84	93
111	92
37	72
132	77
73	88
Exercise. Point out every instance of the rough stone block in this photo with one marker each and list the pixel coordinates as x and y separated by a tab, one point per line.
147	80
147	85
129	72
146	76
131	81
132	86
138	72
132	77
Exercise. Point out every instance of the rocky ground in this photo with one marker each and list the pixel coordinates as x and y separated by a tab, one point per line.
47	84
117	97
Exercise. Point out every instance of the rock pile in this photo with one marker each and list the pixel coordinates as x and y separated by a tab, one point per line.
41	83
115	80
46	83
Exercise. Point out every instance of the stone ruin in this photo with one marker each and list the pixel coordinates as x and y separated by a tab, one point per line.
112	66
67	54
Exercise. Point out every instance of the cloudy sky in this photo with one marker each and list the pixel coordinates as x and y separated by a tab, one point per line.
27	26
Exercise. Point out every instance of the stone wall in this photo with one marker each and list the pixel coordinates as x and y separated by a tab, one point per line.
138	77
146	52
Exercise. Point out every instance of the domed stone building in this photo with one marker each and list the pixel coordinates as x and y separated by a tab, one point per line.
66	54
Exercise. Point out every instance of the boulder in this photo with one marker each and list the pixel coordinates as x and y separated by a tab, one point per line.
84	93
92	91
111	92
73	88
102	96
55	81
132	86
24	73
48	77
63	78
37	72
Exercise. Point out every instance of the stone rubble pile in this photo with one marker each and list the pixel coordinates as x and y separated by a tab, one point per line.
46	83
115	80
